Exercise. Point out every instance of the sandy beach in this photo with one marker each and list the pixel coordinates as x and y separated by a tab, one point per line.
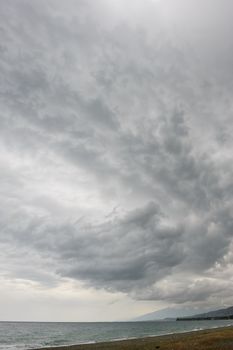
214	339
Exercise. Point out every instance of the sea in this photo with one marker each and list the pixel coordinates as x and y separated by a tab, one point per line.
31	335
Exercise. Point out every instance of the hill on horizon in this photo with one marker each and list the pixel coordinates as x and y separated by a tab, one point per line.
171	312
226	312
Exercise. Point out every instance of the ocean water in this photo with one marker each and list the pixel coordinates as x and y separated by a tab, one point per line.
31	335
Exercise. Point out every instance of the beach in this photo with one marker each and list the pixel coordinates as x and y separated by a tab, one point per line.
214	339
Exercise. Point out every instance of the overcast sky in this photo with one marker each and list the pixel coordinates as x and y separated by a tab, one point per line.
116	153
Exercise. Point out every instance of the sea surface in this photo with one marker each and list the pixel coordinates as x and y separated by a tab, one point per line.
29	335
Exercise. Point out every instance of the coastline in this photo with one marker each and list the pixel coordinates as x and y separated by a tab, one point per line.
208	339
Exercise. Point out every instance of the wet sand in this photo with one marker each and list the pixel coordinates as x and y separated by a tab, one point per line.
213	339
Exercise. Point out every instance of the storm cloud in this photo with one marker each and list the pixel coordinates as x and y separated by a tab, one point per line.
116	146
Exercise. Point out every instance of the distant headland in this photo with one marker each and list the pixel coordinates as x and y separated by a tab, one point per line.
221	314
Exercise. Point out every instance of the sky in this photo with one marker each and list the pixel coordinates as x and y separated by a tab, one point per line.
116	192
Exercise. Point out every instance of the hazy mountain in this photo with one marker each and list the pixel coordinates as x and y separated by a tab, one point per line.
217	313
170	312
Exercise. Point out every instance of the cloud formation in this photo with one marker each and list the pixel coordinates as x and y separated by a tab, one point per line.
116	146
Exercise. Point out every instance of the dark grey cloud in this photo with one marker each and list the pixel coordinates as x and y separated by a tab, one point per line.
116	146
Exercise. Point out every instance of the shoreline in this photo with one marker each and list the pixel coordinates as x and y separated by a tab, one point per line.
207	339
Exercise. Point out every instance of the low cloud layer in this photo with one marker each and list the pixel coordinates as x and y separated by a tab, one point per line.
116	147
